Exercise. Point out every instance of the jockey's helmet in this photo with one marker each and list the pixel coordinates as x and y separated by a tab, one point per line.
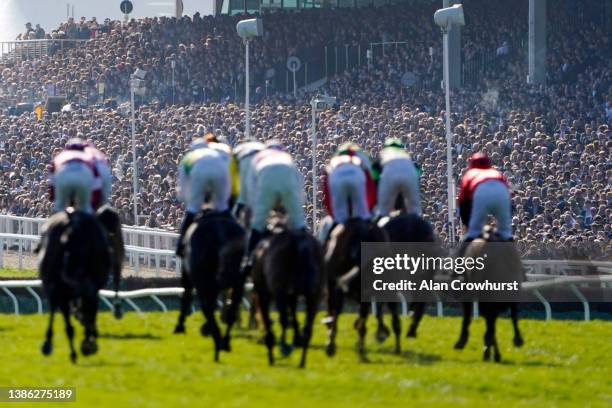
275	144
394	142
198	143
479	161
76	144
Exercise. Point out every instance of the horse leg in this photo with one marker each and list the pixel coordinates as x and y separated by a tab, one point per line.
397	325
518	339
65	309
283	312
233	312
264	307
465	326
360	326
335	304
298	336
186	301
311	313
253	312
211	327
418	310
47	347
89	345
382	331
490	339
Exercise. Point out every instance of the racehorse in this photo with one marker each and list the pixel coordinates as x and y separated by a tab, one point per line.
112	224
75	261
403	227
501	265
214	247
288	265
343	269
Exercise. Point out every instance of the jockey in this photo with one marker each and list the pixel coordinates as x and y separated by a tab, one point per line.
484	191
241	162
203	171
104	179
274	180
73	174
399	174
349	184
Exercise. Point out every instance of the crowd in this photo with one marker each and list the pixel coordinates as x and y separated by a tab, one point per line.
553	142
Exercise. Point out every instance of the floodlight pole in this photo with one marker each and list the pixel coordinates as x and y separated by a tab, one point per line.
173	65
134	164
247	130
449	153
313	103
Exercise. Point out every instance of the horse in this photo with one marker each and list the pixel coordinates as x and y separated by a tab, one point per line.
404	227
112	224
214	247
500	266
343	269
287	265
74	264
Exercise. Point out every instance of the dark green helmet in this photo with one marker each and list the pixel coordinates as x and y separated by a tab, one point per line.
394	142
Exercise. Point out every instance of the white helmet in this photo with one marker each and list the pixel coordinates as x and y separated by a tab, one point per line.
198	143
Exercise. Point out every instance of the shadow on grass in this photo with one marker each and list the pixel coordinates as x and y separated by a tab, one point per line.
95	364
130	336
411	356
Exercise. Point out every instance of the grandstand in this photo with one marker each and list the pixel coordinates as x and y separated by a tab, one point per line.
557	159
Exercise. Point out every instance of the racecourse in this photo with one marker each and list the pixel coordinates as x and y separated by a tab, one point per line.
140	363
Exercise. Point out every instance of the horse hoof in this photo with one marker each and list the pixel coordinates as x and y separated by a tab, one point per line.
179	329
47	348
486	356
118	312
411	333
225	345
286	349
73	357
518	341
398	350
497	357
205	330
330	350
89	347
460	344
298	341
382	334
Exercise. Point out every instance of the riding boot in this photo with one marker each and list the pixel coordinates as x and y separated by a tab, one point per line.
253	241
180	246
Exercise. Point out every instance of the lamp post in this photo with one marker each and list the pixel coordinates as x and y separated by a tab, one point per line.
136	81
445	18
318	103
248	29
173	65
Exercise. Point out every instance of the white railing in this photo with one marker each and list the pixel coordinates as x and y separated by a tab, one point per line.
147	247
133	235
136	257
574	283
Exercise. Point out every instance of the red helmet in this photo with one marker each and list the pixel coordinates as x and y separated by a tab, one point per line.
479	161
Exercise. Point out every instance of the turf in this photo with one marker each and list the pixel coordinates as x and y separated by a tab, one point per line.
141	363
6	273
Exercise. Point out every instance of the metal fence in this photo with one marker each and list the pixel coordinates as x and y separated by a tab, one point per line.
29	49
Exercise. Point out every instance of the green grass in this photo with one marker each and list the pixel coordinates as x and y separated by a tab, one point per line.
12	273
140	363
